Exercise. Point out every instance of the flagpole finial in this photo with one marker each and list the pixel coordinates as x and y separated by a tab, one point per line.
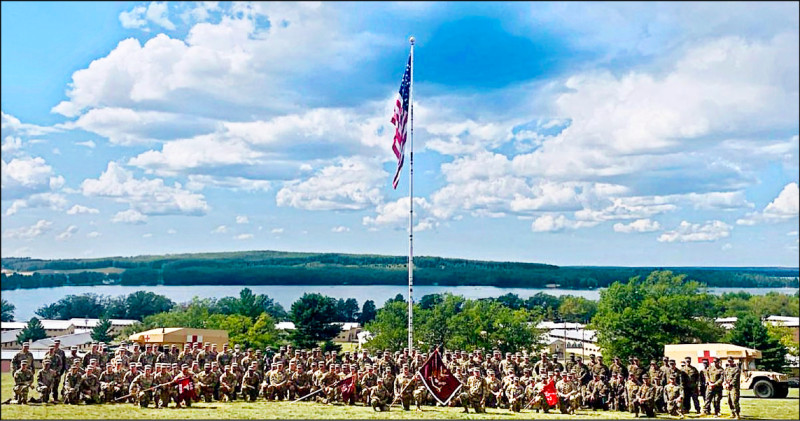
411	40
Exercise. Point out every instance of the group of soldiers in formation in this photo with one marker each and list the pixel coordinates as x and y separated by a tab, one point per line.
163	374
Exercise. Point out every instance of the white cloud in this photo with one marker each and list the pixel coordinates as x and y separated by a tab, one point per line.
352	184
784	207
25	176
11	145
277	231
242	219
77	209
72	229
27	233
146	196
130	216
340	228
53	201
172	231
688	232
243	237
157	13
93	234
222	229
133	18
395	214
639	225
89	144
727	246
147	235
556	223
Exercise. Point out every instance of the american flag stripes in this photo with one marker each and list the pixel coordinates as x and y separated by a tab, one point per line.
400	120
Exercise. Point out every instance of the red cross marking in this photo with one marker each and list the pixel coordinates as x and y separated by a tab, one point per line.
147	338
707	356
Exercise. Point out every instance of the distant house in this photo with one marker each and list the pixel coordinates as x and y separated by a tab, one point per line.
9	339
81	340
349	332
68	327
4	326
87	324
790	322
180	336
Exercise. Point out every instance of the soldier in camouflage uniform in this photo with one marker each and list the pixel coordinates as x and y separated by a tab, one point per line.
206	381
45	380
227	385
567	393
19	357
494	390
714	376
90	387
250	384
474	393
632	389
140	387
72	384
646	397
109	383
73	358
673	396
515	393
732	377
379	396
691	388
163	394
368	381
23	379
404	387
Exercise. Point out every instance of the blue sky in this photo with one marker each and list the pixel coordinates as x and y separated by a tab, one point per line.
661	134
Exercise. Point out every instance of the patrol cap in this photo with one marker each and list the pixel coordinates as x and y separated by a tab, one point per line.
645	376
57	341
236	346
46	361
175	365
24	344
380	379
490	371
24	362
184	366
148	367
208	365
652	362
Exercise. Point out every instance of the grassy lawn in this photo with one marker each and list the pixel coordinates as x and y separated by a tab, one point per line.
752	408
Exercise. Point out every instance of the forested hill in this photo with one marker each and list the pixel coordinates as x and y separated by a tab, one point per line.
288	268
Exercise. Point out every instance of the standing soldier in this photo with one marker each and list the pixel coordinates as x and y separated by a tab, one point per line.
225	357
732	377
72	384
646	398
59	366
404	388
714	378
632	388
45	380
569	363
673	396
691	388
24	355
474	395
619	369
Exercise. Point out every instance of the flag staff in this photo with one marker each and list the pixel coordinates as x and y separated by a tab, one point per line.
411	208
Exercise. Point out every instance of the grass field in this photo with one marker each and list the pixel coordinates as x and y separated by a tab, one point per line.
752	408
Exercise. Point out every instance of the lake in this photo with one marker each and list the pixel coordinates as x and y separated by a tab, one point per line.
27	301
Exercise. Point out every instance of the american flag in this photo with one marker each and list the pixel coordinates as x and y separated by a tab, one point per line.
399	119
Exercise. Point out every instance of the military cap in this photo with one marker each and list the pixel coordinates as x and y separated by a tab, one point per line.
645	376
380	379
249	349
579	358
148	367
235	365
236	346
490	371
258	351
45	361
227	366
672	361
58	341
145	345
26	344
175	365
652	362
184	366
527	370
208	344
591	355
207	365
476	369
51	346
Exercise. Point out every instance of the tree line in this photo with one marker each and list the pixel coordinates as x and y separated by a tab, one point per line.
283	268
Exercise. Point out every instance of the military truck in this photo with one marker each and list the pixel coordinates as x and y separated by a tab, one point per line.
765	384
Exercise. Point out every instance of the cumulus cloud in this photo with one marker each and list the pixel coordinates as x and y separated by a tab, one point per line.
72	229
277	231
130	216
340	229
156	12
52	201
145	196
125	126
89	144
395	214
30	232
556	223
243	237
639	225
352	184
28	175
93	234
688	232
78	209
222	229
242	219
783	208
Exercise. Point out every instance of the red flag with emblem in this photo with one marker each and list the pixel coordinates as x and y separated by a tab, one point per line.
438	379
550	393
348	387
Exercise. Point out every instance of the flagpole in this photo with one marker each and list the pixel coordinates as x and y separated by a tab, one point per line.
411	208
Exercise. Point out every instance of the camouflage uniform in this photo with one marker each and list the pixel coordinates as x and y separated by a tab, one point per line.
379	397
227	385
673	396
45	380
474	394
72	385
714	377
23	379
732	377
250	383
140	386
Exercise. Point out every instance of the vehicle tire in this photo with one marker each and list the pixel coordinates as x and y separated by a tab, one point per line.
764	389
781	390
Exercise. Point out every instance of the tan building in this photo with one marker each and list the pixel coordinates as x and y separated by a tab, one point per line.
179	336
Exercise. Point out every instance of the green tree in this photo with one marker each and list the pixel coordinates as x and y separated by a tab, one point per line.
313	316
100	333
195	314
7	311
750	332
90	306
486	325
641	316
368	312
140	304
236	325
434	328
347	310
577	309
32	332
427	302
390	327
263	333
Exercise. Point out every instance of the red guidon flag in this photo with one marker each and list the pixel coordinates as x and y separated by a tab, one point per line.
550	393
348	387
438	379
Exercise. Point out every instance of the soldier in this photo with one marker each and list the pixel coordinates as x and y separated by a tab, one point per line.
140	387
646	397
45	380
165	393
600	369
227	385
474	393
379	396
581	372
691	388
567	392
109	383
185	384
732	376
225	357
127	381
632	389
617	368
404	388
495	389
250	384
72	384
205	382
59	364
90	385
515	393
714	377
24	355
23	379
673	396
93	354
277	383
570	362
300	384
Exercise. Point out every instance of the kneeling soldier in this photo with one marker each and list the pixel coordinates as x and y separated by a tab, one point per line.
206	382
109	383
23	379
475	391
673	396
141	386
45	381
379	396
227	385
72	384
90	387
516	395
